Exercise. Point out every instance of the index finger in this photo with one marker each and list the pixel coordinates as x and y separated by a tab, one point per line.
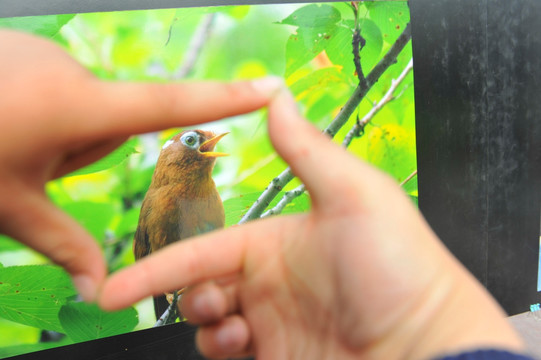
184	263
120	109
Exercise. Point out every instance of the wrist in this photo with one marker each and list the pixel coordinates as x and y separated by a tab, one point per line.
453	315
459	315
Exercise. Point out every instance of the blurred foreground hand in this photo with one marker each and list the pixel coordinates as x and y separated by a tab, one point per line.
57	117
361	276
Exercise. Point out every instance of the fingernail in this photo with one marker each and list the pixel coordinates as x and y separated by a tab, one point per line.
286	100
289	98
268	86
86	287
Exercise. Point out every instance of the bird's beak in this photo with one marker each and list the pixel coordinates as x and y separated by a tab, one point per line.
206	148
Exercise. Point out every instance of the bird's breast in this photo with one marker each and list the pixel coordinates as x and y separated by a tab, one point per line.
176	215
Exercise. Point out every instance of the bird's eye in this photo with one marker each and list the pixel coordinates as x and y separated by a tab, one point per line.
190	139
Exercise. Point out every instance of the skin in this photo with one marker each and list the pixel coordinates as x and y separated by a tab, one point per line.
57	117
361	276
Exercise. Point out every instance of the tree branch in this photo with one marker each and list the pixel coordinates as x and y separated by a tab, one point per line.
170	315
192	53
358	43
372	78
388	97
286	199
406	180
278	183
355	130
194	48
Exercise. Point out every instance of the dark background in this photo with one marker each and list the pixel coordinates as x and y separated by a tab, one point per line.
477	73
477	103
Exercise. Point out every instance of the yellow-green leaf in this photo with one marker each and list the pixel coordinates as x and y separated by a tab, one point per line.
392	149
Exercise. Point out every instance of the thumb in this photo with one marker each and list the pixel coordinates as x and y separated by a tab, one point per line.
330	173
33	220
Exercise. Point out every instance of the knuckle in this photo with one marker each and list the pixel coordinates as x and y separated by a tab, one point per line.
65	254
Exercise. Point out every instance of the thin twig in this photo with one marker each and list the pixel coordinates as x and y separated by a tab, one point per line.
195	47
170	315
360	125
355	130
286	199
358	43
361	91
191	55
407	180
278	183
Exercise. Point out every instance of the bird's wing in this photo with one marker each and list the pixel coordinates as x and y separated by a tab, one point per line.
141	243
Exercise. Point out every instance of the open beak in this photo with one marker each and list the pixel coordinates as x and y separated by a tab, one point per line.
206	148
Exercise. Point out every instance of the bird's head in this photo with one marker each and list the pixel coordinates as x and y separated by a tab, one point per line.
190	152
196	144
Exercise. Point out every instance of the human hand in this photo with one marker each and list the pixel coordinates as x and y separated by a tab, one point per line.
57	117
360	276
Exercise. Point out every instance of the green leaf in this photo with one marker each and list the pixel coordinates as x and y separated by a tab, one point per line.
93	216
323	92
411	186
48	25
113	159
391	18
321	111
33	295
392	149
82	321
305	45
313	16
128	223
317	25
298	205
340	50
315	81
236	207
370	53
8	244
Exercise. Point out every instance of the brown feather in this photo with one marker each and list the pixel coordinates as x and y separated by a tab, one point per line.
181	202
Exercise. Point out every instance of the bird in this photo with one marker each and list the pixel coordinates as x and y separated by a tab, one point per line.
182	200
